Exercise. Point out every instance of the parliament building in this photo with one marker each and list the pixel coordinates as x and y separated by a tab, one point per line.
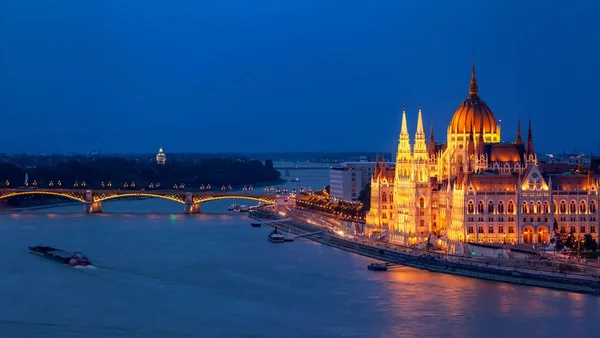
475	188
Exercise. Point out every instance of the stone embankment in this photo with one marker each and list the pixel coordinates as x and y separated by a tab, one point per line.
462	266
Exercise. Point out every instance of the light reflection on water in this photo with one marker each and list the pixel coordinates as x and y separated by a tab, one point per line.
165	274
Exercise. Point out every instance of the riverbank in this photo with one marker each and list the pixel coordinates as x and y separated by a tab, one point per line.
435	262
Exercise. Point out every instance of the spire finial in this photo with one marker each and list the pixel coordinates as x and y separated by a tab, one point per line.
404	128
473	90
420	129
519	138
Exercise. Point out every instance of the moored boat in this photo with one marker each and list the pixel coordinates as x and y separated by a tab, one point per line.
377	267
244	208
276	237
255	224
61	256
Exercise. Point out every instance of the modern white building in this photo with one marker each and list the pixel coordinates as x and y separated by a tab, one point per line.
347	180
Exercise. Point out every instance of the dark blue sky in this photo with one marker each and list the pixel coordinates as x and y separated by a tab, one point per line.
209	76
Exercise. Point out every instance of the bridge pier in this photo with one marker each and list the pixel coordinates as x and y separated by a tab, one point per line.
191	208
93	207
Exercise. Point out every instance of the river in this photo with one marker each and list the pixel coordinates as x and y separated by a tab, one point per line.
159	273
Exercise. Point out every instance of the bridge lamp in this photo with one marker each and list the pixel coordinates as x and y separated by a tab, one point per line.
174	186
250	188
34	183
51	184
7	182
182	186
26	183
229	187
157	184
125	185
102	184
208	187
75	184
109	183
83	184
133	184
202	187
59	183
223	188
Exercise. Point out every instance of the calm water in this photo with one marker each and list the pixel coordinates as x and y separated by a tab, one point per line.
163	274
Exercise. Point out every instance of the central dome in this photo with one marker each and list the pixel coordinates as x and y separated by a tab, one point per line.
473	115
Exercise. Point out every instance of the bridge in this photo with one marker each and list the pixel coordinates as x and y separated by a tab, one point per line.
92	199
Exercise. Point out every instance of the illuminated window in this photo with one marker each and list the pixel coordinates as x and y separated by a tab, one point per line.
421	202
511	207
491	207
582	208
470	229
480	229
573	208
592	206
563	207
470	207
524	208
500	207
422	223
480	207
511	229
383	198
491	229
546	207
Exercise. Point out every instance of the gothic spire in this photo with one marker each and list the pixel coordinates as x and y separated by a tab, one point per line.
519	139
420	129
529	150
473	90
431	147
404	129
376	173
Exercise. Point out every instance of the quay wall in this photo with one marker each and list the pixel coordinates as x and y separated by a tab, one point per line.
476	270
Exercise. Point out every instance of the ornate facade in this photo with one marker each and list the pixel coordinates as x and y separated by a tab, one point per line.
475	188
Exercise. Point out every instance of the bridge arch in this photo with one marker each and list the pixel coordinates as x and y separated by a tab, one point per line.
73	196
202	199
174	198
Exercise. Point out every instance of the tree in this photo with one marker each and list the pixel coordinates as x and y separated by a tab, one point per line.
589	243
365	197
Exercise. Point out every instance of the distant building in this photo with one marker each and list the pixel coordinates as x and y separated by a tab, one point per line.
161	158
347	180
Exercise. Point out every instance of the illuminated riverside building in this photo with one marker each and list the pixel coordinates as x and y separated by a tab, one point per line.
161	158
475	188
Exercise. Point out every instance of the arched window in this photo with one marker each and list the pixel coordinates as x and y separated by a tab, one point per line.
573	208
530	184
592	206
531	208
500	207
383	198
470	207
538	207
391	198
563	207
491	207
511	207
524	208
421	202
546	207
480	207
582	207
555	210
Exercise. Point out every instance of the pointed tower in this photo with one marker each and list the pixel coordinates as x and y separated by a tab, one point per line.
383	169
519	139
376	173
403	156
420	148
473	89
529	151
431	146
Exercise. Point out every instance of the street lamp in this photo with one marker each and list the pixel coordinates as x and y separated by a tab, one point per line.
202	187
35	183
7	183
109	183
59	183
208	187
75	184
51	184
102	184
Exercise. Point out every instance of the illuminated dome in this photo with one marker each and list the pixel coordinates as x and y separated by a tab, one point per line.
474	115
161	158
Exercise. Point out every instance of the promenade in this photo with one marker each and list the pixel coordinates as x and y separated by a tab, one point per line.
555	274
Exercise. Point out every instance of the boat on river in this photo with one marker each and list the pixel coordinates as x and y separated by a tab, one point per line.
377	267
255	224
276	237
61	256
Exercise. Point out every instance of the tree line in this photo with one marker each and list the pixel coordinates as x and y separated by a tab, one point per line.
119	171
